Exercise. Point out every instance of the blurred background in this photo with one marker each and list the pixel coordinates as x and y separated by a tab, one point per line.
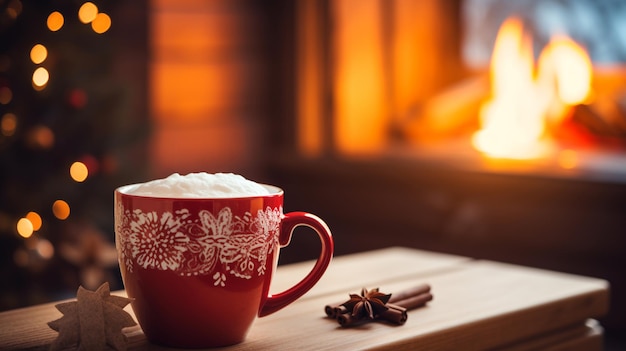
492	129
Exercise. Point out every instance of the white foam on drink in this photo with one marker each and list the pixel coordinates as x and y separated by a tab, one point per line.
200	185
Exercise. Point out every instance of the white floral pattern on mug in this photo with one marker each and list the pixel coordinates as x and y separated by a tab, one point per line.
216	245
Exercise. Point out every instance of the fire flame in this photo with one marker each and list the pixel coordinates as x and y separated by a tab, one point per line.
525	98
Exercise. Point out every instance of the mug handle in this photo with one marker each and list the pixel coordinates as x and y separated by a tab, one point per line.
289	222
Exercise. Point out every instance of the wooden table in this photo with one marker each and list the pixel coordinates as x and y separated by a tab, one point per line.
477	305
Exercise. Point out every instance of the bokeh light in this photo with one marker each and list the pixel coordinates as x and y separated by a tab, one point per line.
35	219
77	98
41	137
79	171
61	209
101	23
24	227
6	95
38	53
87	12
40	77
55	21
44	248
8	124
91	163
14	8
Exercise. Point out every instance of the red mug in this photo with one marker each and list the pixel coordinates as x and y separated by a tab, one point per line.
199	269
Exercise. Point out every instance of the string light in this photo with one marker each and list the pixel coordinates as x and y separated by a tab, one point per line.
35	248
38	53
55	21
35	219
40	77
42	136
24	227
101	23
61	209
87	12
79	171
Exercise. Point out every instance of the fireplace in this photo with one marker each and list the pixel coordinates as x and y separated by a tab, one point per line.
381	103
374	75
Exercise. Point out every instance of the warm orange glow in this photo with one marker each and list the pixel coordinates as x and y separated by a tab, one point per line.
196	97
568	159
35	219
101	23
513	120
79	171
40	77
309	80
55	21
87	12
38	53
360	83
24	227
8	124
414	28
191	92
61	209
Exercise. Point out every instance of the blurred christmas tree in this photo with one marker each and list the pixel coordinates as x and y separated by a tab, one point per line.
68	137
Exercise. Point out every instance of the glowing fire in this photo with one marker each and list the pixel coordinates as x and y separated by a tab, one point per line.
525	99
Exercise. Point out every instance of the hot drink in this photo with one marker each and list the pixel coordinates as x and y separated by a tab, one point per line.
197	254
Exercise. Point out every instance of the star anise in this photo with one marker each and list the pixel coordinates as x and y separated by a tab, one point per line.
370	304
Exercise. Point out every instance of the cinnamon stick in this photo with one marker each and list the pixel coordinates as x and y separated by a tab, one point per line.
337	310
408	293
415	301
346	320
395	314
330	310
